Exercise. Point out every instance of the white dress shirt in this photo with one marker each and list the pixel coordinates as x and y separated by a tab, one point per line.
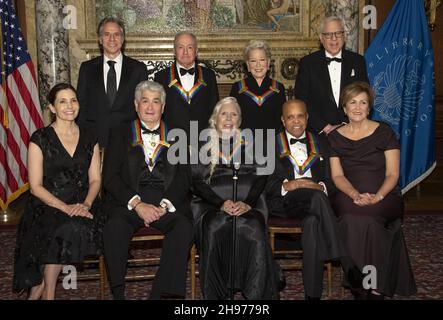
299	152
187	80
334	68
117	66
150	143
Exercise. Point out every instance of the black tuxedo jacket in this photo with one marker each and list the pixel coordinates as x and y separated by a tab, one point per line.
179	111
95	109
313	86
320	171
122	168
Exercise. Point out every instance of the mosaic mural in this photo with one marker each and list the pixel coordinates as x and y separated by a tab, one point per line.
166	16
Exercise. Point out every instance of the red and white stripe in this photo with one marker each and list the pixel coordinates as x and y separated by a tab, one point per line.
24	117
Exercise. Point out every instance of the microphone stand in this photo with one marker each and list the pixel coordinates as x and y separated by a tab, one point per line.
234	231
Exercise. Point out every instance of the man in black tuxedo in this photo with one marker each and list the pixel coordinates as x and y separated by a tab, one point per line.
143	188
106	84
191	89
323	74
299	188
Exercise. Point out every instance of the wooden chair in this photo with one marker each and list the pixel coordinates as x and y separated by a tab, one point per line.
148	235
291	226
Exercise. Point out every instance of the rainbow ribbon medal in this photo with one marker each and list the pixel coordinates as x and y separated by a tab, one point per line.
259	100
137	141
285	151
187	95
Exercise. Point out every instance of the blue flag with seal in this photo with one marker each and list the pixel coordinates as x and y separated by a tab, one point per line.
400	63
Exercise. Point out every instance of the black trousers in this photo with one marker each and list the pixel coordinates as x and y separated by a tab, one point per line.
320	238
170	278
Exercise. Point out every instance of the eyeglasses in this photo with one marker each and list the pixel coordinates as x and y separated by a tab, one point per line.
330	35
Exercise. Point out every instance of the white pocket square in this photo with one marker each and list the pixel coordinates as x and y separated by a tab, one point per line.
352	73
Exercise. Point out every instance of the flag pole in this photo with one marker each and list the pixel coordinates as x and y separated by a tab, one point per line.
8	215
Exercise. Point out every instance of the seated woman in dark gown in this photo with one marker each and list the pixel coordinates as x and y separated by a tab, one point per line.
365	162
59	226
257	275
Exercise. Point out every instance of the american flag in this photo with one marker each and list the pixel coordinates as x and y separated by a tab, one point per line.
20	112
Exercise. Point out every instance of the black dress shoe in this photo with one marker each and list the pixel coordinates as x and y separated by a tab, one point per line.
311	298
355	278
373	296
118	293
359	294
281	284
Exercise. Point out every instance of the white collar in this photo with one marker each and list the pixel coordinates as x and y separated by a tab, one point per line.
147	127
118	59
289	136
338	55
180	66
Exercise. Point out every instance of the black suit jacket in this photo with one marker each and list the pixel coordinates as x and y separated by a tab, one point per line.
122	167
320	171
178	110
313	86
95	109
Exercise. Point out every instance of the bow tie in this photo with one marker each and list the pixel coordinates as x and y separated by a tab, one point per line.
328	60
302	140
148	131
183	71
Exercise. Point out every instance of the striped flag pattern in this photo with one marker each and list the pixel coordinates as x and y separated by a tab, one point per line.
20	112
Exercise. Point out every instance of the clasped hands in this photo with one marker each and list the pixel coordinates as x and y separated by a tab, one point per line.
365	199
79	210
235	208
301	183
149	213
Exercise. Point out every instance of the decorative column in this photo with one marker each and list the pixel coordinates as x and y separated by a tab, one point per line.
52	46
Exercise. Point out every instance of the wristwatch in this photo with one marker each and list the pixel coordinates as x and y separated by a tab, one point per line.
164	206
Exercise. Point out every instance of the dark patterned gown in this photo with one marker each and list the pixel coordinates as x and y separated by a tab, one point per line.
373	234
257	274
45	234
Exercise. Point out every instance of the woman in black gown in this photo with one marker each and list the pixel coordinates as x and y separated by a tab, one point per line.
257	275
59	225
365	165
260	97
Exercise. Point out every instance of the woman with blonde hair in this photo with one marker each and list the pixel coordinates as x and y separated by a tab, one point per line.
260	97
257	275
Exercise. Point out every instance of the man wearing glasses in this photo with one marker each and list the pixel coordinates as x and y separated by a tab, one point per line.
323	74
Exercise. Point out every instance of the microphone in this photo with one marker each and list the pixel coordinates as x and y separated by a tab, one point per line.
235	168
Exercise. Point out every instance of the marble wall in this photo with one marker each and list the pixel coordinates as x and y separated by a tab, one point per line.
349	10
53	46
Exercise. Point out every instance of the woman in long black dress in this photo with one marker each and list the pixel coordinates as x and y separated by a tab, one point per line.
260	97
365	162
59	226
257	275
